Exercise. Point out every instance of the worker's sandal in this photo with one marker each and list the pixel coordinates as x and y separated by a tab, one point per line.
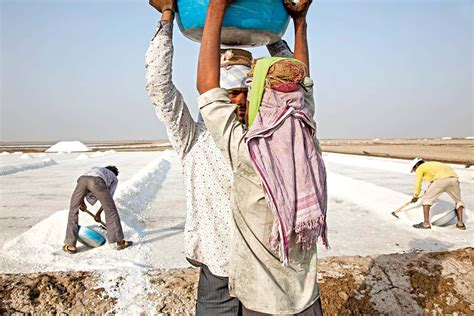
461	226
70	249
422	226
125	244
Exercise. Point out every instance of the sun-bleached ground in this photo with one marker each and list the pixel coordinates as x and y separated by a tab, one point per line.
363	192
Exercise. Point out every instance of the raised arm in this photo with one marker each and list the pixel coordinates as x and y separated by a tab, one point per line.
298	13
214	103
167	100
208	73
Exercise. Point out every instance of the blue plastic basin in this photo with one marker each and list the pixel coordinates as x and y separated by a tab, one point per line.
92	236
246	22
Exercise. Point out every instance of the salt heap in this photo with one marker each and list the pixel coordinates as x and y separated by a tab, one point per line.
83	157
98	154
25	156
68	146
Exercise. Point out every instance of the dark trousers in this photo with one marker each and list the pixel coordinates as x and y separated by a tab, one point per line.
96	185
213	297
314	310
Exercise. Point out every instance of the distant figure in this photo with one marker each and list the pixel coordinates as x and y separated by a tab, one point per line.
97	184
442	178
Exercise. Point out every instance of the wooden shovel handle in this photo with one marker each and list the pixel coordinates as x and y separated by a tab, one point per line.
93	216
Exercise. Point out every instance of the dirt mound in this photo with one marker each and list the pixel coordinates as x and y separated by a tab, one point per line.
177	288
397	284
51	293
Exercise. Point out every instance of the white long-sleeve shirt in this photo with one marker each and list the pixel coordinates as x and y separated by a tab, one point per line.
207	176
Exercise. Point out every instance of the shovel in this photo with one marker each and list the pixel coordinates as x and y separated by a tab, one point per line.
400	209
394	213
93	216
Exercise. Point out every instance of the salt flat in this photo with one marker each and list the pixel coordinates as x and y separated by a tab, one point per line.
363	191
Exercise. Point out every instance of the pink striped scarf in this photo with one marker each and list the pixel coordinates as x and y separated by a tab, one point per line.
292	171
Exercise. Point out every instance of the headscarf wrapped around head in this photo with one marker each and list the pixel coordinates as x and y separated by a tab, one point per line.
284	74
276	73
235	65
280	142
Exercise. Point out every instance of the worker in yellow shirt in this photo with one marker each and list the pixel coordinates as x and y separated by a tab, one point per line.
442	179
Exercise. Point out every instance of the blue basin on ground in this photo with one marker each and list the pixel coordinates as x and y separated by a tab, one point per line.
246	22
92	236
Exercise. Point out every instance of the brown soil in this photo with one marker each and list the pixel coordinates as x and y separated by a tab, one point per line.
459	151
397	284
178	288
50	293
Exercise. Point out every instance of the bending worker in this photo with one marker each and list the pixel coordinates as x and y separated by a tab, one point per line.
97	184
442	179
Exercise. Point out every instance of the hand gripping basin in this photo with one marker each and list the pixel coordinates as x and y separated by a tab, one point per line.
246	22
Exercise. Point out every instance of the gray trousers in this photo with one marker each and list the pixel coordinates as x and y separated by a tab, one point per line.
213	297
96	186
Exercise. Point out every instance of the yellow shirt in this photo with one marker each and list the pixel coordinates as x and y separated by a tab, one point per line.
431	171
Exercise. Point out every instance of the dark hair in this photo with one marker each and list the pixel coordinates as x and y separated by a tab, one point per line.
113	169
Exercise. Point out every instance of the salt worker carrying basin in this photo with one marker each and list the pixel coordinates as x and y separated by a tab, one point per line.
279	190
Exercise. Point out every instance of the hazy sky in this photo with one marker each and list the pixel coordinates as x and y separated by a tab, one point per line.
382	68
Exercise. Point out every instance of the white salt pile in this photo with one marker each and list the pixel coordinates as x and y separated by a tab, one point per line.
6	170
18	153
83	157
5	153
25	156
68	146
42	155
97	154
